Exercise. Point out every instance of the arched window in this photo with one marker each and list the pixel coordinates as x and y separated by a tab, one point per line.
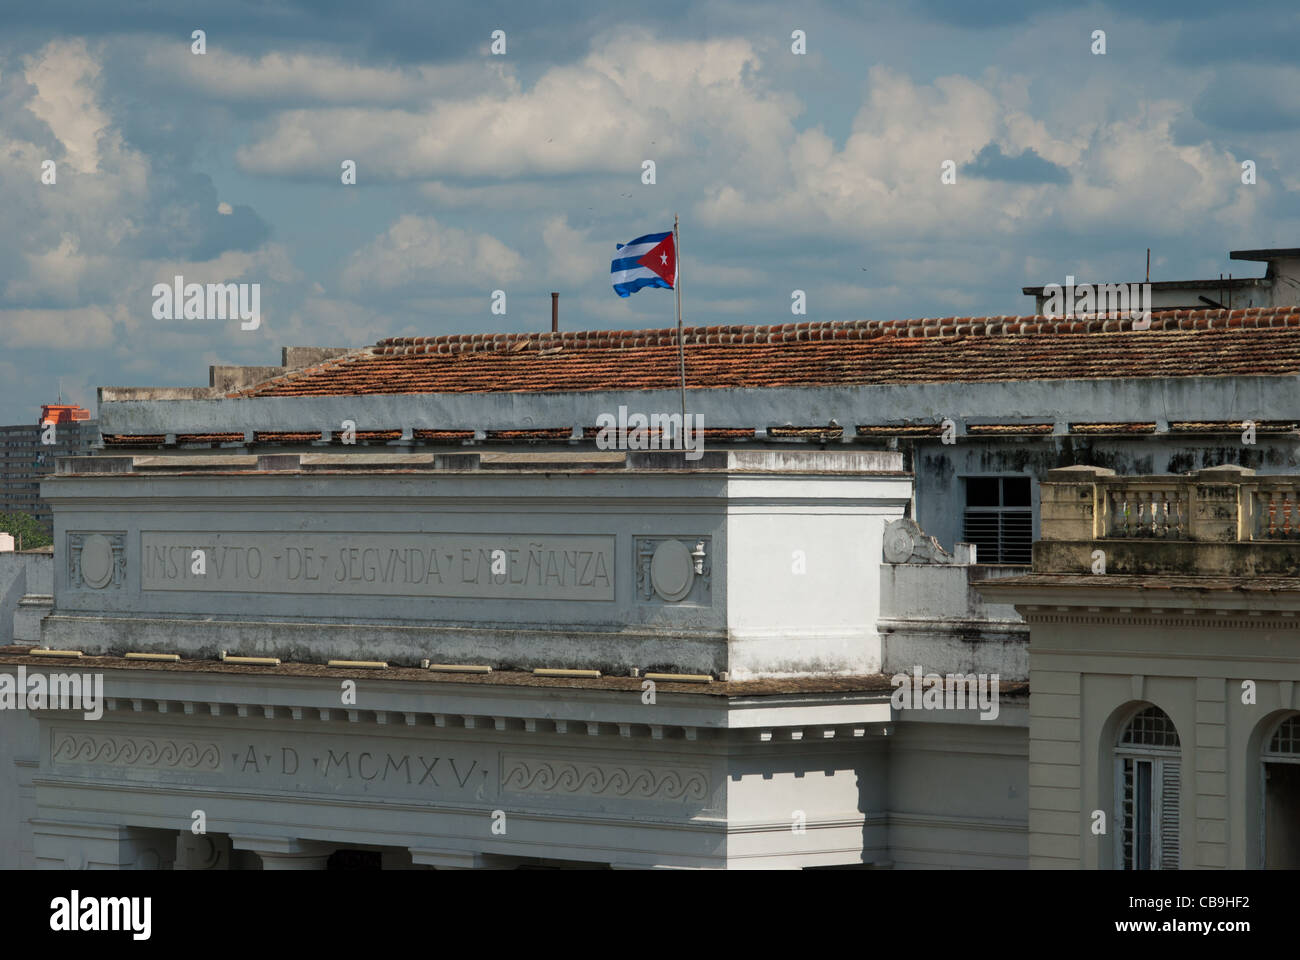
1284	745
1148	781
1281	770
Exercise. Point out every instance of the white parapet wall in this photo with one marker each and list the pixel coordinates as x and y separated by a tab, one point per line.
755	564
933	617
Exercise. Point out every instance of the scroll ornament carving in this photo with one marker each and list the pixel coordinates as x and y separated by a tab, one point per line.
645	783
136	752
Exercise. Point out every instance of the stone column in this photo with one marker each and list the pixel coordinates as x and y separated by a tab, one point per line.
81	846
281	853
1207	806
202	852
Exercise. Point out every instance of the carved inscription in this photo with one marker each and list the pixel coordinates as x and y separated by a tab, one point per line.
432	772
316	765
383	564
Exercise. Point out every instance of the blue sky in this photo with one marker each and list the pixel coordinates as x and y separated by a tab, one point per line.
475	172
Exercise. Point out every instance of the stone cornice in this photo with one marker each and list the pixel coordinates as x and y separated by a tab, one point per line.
1140	593
169	693
1175	618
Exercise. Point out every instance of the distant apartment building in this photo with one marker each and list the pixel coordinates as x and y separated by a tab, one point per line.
24	459
1279	287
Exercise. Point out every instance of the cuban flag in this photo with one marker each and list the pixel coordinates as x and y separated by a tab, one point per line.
649	261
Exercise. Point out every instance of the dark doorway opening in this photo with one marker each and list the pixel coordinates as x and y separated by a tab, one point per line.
1281	816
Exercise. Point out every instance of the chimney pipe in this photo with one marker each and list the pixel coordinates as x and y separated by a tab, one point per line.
555	313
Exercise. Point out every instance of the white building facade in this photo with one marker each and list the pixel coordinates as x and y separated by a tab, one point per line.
394	605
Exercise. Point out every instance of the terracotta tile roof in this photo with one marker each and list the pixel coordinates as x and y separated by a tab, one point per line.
540	433
209	437
1147	427
443	434
135	439
900	430
1230	426
999	429
1180	343
807	433
371	436
288	436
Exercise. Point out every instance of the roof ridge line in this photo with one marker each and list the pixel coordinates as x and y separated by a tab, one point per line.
359	353
821	330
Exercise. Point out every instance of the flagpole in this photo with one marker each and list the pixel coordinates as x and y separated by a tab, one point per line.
677	287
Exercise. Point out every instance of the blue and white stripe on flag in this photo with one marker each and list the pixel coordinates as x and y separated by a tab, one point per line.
649	261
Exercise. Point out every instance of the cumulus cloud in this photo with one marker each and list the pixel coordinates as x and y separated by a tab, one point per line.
301	77
86	245
81	327
418	253
477	173
633	98
573	257
887	176
64	76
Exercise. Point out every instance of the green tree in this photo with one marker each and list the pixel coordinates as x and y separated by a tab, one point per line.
27	533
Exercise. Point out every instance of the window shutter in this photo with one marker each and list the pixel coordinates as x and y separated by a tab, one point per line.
1017	537
1170	783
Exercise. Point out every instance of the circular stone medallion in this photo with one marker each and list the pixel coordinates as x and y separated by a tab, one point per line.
97	561
899	544
672	570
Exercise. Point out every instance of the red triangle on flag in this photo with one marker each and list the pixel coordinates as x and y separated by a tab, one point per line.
662	259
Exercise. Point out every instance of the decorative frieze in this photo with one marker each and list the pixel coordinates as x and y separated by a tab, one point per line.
134	751
629	781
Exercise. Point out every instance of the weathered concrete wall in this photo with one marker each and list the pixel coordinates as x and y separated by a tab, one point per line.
932	616
941	469
1061	401
19	760
22	575
959	791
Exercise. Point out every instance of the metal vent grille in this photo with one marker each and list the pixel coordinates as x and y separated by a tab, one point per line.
1000	536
